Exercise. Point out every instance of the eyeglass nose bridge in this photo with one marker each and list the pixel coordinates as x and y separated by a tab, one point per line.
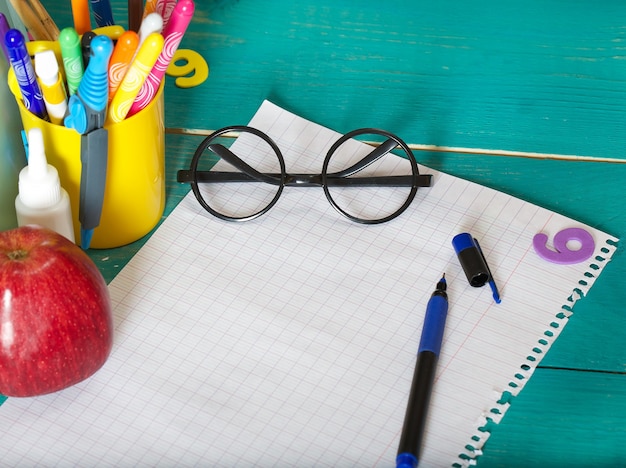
303	180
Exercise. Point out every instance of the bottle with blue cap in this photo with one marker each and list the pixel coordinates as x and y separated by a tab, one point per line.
41	199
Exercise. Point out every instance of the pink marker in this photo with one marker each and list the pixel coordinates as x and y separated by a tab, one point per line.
173	34
165	9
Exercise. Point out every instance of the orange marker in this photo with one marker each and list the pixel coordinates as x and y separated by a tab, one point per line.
121	59
136	74
81	14
151	7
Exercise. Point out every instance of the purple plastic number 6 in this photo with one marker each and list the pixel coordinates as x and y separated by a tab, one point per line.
564	255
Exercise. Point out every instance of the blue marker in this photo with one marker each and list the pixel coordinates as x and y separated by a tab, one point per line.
87	114
102	12
474	263
25	73
423	378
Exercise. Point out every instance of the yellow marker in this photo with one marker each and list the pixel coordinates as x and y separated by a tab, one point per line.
114	31
136	74
52	88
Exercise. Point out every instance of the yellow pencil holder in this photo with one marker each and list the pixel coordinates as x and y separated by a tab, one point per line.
134	195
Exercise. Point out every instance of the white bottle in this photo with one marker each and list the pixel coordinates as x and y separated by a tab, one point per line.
41	199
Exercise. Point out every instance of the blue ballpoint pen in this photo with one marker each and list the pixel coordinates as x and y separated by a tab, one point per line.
25	73
102	12
423	378
87	114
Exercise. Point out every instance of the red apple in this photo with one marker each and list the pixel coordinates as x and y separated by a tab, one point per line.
56	326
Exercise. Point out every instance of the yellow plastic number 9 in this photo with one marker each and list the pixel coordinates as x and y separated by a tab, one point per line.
189	68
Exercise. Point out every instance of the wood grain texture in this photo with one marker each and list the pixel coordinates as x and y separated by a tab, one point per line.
562	419
545	76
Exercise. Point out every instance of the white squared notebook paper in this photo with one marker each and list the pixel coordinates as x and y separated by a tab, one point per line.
291	340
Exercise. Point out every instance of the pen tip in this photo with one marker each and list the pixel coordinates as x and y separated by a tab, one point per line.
85	238
441	284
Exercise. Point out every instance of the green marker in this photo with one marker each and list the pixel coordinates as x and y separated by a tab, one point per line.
72	58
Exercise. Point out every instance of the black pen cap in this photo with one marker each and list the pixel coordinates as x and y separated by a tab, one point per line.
471	258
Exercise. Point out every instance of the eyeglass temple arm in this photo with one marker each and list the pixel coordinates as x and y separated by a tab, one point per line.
231	158
248	173
372	157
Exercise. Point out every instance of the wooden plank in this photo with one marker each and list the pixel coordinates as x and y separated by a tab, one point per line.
562	418
543	76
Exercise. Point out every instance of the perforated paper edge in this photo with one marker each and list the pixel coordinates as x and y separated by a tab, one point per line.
503	399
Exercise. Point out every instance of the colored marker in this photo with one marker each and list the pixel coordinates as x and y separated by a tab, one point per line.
153	23
4	29
92	93
121	59
25	73
474	263
54	96
102	12
135	14
165	9
85	46
173	34
87	113
151	7
72	55
135	76
414	425
81	15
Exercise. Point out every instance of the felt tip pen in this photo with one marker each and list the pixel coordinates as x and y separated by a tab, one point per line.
87	113
423	378
102	12
165	9
122	56
54	96
153	23
474	263
173	34
135	13
81	16
72	56
25	73
135	76
151	7
85	46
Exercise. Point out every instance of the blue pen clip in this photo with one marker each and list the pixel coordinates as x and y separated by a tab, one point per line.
474	263
87	114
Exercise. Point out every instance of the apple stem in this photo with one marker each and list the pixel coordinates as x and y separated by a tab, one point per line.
17	255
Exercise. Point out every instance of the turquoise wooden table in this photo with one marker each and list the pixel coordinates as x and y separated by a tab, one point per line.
525	97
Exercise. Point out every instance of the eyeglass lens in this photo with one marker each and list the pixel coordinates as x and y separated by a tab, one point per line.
368	175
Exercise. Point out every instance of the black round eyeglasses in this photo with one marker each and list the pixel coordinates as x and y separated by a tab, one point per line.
366	183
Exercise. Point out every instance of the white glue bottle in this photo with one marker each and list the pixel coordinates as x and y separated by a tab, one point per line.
41	199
